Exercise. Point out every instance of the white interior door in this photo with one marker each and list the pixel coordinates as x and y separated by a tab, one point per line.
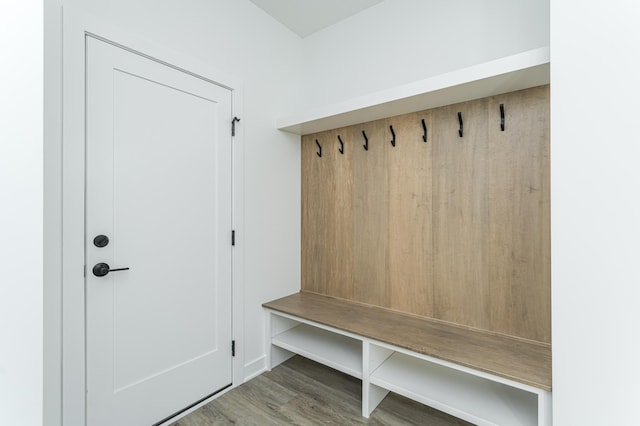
158	186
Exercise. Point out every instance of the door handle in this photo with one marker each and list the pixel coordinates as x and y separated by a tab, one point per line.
102	269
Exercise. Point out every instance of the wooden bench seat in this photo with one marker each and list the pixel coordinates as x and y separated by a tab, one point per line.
516	359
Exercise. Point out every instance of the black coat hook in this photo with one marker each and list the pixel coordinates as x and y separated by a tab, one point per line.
319	153
502	117
341	149
393	141
424	127
366	141
460	121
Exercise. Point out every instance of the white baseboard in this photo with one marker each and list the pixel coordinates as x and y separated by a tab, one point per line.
255	368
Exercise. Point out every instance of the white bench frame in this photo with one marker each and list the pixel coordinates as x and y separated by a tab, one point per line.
475	396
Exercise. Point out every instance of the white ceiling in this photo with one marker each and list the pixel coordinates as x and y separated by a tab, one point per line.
305	17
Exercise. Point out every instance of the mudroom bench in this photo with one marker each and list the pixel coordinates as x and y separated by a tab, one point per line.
482	377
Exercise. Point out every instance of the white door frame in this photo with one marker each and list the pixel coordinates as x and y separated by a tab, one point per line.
71	284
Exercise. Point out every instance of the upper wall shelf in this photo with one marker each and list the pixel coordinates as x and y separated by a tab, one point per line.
521	71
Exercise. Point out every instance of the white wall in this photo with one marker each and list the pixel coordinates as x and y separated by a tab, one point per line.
21	217
241	40
400	41
595	212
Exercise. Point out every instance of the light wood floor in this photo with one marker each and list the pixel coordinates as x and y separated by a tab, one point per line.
302	392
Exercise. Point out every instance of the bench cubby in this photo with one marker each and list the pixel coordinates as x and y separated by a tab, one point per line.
335	350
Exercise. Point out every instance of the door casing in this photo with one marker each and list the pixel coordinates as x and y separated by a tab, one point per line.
70	336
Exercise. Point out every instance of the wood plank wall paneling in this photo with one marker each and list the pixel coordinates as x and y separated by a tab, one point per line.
314	219
519	223
340	217
409	271
370	206
455	229
327	216
461	271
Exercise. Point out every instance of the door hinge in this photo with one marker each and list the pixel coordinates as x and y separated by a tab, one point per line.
233	125
233	237
233	348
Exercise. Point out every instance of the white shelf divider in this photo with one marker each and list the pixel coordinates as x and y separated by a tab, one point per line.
475	399
508	74
331	349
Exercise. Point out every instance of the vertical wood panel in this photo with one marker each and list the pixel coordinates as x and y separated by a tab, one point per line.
370	199
519	229
410	263
460	215
340	216
315	220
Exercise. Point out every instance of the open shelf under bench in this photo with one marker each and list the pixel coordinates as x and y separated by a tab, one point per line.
482	377
334	350
445	389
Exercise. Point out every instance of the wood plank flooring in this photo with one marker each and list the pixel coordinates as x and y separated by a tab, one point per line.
303	392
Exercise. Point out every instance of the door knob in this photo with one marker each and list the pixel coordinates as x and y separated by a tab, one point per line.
102	269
